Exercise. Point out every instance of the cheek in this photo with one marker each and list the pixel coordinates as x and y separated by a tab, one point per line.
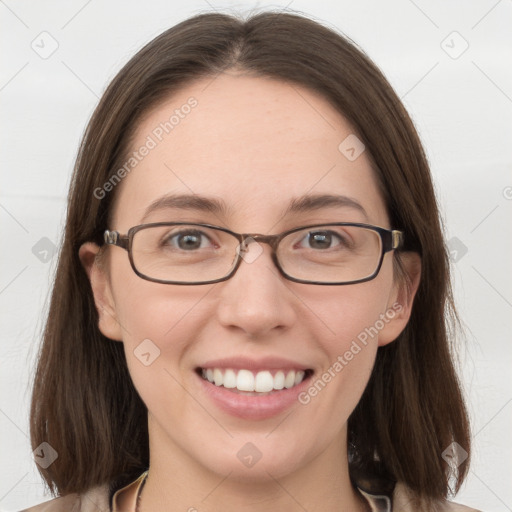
353	312
158	321
159	326
353	319
152	310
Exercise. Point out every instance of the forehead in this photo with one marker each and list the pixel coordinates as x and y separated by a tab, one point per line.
255	144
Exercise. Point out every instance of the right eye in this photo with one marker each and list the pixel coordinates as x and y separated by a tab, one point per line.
186	240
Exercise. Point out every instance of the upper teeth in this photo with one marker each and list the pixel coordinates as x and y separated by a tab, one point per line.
246	380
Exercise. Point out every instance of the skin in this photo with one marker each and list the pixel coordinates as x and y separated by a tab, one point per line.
255	143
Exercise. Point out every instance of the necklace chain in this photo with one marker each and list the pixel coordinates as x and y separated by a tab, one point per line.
139	494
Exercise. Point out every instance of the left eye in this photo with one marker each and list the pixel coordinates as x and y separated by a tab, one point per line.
322	240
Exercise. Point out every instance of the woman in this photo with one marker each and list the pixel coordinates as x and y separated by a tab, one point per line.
249	308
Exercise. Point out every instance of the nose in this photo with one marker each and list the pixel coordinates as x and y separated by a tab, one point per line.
257	299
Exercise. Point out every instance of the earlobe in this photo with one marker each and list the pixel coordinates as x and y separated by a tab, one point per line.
102	291
399	307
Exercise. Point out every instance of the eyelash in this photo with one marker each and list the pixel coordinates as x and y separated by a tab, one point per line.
201	234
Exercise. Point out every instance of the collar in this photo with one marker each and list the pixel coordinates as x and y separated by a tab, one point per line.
124	499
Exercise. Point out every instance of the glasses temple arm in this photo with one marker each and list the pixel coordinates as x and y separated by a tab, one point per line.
114	238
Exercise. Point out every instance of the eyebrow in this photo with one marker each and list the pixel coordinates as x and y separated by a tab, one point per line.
305	203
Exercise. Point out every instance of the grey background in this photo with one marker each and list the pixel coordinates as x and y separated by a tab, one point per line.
460	100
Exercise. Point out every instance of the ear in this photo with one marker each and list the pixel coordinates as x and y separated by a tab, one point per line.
401	299
102	291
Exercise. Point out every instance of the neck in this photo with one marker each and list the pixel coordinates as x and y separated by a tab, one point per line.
178	480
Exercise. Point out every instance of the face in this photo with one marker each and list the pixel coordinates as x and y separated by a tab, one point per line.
254	144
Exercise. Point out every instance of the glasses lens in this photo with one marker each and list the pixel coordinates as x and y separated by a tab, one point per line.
330	254
183	253
191	253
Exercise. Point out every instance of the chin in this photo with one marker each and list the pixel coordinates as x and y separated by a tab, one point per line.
255	460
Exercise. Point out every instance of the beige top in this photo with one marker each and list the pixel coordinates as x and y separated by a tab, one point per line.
96	500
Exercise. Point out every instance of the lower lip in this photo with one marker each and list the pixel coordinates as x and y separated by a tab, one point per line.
252	407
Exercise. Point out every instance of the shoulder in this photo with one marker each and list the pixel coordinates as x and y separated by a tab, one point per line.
65	503
94	500
402	500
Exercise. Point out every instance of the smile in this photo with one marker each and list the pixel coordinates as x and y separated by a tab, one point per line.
252	389
254	383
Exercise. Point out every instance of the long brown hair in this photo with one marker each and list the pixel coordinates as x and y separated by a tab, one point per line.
84	403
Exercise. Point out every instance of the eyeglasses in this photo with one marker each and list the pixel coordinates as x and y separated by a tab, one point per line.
325	254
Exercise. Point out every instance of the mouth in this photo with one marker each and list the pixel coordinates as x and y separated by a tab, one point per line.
253	388
254	383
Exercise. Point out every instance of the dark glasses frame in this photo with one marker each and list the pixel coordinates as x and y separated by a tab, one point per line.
391	239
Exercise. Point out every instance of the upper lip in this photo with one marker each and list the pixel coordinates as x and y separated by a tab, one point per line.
260	364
